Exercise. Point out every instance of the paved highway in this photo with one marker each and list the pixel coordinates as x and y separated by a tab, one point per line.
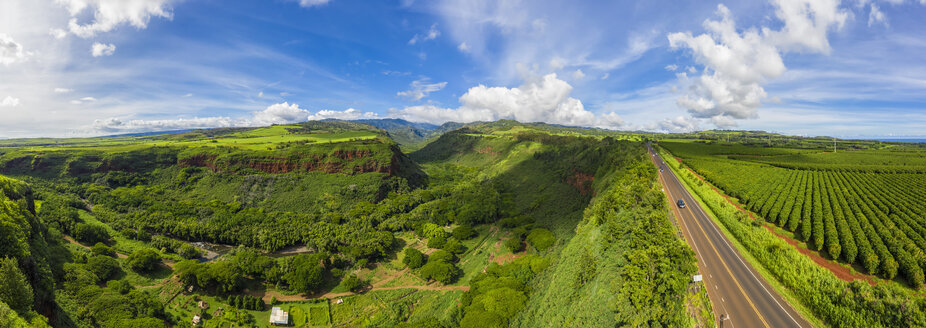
739	294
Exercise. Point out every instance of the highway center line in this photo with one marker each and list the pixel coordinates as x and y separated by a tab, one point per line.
738	257
753	274
735	281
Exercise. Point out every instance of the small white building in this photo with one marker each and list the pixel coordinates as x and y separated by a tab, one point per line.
197	320
278	317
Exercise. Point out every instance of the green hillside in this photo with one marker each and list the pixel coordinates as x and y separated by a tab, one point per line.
479	227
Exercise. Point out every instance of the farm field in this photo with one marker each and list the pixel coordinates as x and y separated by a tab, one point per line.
861	207
242	138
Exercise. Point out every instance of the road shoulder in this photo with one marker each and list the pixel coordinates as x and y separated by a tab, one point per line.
785	293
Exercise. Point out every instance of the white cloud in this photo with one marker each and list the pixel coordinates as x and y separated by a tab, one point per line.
63	90
101	49
578	75
58	33
739	61
313	3
723	122
281	113
875	15
108	14
678	124
9	101
605	76
10	51
260	94
347	114
421	89
432	34
671	68
83	100
543	99
188	95
806	24
463	47
115	125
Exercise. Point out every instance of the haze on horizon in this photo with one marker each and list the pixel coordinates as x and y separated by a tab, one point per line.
800	67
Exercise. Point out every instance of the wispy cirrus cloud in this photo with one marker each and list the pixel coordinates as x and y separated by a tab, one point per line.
421	88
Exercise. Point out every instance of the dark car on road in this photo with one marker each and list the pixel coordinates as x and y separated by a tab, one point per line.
681	203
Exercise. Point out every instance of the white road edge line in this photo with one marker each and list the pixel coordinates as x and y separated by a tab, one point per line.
738	257
698	252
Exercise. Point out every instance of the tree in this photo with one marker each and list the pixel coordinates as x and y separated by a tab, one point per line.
352	283
143	236
102	266
413	258
128	233
541	239
119	286
15	290
144	260
453	246
514	244
306	273
441	256
463	232
102	249
90	234
187	251
441	271
437	241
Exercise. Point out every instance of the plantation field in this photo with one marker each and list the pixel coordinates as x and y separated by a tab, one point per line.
861	207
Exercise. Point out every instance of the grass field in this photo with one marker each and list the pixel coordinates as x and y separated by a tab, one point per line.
308	314
257	138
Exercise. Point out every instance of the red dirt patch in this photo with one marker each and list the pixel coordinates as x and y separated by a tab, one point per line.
507	258
582	181
487	150
840	271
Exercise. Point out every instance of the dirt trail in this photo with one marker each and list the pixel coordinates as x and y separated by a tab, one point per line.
837	269
72	241
170	264
266	295
390	278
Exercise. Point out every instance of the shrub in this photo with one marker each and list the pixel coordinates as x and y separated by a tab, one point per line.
541	239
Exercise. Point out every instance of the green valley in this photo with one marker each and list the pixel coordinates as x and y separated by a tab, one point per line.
487	225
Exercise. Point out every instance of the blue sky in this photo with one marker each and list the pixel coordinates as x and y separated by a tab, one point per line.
824	67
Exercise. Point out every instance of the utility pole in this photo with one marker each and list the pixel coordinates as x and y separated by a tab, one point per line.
834	145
